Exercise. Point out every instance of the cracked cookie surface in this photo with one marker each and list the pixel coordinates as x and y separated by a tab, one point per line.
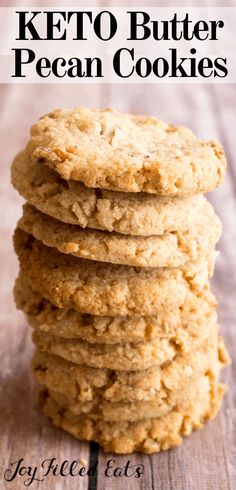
126	152
180	326
132	411
167	250
148	435
122	356
84	384
128	213
107	289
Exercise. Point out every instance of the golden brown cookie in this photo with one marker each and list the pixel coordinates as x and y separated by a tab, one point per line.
148	435
122	356
133	214
126	152
181	327
84	384
107	289
139	410
167	250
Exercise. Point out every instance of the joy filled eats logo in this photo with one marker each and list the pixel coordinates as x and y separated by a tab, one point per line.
18	470
117	45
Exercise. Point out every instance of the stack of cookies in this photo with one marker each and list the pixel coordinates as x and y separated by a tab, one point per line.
116	247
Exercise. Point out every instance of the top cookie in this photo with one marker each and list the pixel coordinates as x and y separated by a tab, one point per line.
126	152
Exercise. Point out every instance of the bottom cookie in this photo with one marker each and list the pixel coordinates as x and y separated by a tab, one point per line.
147	436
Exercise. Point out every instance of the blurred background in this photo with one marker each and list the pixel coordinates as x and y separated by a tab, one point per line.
209	110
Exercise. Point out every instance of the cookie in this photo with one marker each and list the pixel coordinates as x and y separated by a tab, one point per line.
148	435
84	384
181	327
122	356
168	250
106	289
133	214
132	411
126	152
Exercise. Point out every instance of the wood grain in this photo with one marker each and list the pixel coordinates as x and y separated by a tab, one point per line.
206	460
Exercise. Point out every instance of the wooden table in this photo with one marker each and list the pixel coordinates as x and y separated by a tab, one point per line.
206	460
